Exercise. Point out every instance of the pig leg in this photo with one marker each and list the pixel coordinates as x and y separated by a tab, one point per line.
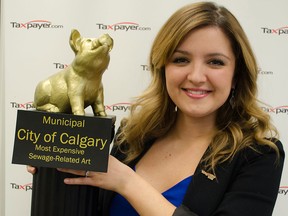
98	106
76	99
42	99
77	104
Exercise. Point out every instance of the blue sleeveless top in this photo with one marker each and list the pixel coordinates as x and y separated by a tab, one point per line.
121	207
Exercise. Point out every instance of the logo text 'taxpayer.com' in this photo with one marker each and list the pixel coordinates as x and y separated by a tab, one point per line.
123	26
276	110
35	24
276	31
24	187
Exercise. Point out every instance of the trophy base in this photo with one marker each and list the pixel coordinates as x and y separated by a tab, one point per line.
51	197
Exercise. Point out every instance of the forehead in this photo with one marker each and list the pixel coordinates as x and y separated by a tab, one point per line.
209	36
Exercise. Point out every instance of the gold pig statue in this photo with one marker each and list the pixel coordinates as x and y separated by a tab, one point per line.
79	85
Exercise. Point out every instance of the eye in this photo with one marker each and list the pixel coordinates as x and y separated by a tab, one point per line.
216	62
180	60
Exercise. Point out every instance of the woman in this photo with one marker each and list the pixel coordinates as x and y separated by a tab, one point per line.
196	142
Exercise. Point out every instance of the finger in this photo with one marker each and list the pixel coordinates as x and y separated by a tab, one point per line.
31	169
78	181
71	171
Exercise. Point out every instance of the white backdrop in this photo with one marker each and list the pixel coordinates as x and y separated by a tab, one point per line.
2	152
30	52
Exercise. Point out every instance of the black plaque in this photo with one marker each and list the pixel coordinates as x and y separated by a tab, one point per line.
58	140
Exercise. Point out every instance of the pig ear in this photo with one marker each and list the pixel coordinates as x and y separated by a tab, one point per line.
74	40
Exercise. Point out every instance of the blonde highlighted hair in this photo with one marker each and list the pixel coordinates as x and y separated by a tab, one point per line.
153	112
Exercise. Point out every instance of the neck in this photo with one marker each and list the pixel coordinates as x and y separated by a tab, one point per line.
193	129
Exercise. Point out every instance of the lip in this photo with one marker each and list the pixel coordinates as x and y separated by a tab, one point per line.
196	93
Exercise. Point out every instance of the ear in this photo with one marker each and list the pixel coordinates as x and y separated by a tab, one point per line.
74	40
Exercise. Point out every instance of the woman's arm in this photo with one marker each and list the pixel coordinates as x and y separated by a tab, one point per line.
122	179
255	188
248	185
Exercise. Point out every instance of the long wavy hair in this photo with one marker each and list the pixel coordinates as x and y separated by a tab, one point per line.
153	113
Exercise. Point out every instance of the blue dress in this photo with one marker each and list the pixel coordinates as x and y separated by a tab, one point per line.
121	207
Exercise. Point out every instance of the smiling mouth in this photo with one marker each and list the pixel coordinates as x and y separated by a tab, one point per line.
197	92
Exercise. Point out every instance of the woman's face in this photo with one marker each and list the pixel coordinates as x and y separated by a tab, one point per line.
199	74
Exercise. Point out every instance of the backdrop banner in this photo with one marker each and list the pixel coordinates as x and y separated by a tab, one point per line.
35	45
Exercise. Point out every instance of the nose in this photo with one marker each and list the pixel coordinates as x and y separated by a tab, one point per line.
196	73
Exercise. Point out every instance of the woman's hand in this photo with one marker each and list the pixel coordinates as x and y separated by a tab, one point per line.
31	169
115	179
123	180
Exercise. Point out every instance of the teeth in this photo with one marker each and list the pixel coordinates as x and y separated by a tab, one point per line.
197	92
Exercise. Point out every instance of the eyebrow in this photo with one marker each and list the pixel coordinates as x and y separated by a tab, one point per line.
209	55
182	52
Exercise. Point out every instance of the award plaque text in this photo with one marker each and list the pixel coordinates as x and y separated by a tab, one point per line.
57	140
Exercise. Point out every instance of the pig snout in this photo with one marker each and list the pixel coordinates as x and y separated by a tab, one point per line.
95	44
106	40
